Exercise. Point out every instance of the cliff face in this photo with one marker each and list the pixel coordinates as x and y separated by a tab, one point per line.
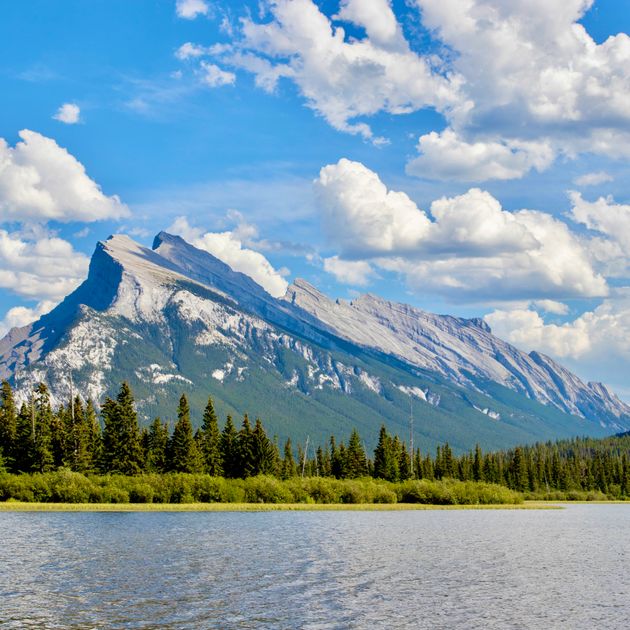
176	318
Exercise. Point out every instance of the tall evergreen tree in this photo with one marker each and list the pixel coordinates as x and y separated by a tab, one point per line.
230	459
386	464
122	449
404	463
246	449
210	442
184	456
288	463
264	456
477	469
24	452
43	459
356	462
8	425
94	438
157	447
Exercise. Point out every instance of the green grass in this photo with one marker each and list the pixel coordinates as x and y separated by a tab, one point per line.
18	506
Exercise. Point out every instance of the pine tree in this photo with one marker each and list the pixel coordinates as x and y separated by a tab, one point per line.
93	438
184	456
263	451
477	468
381	455
8	425
24	453
356	464
246	449
43	459
288	463
448	468
229	450
404	463
386	457
72	420
210	438
122	449
157	447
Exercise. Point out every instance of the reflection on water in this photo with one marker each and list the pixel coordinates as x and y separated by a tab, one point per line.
441	569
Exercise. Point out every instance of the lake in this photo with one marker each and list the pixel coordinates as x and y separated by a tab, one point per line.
418	569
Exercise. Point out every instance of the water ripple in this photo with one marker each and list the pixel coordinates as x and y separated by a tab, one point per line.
314	570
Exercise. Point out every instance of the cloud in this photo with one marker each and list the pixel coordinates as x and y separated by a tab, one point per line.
551	306
596	344
527	330
592	179
518	83
213	76
68	113
189	51
19	316
446	156
43	268
353	272
194	51
41	181
190	9
226	246
603	216
468	247
343	77
362	217
532	68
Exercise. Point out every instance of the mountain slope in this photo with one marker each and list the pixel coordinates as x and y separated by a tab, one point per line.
174	318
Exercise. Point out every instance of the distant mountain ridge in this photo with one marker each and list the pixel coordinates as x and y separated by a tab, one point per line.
174	318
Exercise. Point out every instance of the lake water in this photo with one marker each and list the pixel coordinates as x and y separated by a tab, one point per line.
433	569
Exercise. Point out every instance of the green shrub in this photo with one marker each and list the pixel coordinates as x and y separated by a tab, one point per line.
69	487
264	489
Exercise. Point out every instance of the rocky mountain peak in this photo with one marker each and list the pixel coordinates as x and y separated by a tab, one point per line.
194	305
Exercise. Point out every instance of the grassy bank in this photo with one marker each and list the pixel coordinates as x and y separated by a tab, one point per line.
17	506
183	489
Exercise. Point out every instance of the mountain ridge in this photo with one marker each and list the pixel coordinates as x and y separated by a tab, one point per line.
175	315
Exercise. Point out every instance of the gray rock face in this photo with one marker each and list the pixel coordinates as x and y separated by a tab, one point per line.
176	317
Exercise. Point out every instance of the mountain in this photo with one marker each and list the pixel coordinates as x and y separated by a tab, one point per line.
175	319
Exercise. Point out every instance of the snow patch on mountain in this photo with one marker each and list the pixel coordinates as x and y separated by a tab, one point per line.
188	301
155	374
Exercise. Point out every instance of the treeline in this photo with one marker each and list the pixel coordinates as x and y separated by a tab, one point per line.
39	439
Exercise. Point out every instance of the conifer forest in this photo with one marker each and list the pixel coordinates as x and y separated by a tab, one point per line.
38	441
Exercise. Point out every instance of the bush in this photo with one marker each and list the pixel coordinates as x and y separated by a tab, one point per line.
70	487
264	489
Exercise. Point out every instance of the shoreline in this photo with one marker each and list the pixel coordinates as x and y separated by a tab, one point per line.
16	506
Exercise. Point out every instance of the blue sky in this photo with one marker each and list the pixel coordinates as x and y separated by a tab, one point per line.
464	156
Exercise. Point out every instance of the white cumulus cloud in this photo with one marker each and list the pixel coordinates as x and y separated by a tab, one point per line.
353	272
68	113
214	76
19	316
228	247
364	218
446	156
519	83
604	216
190	9
596	344
343	77
593	179
39	180
468	247
43	268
